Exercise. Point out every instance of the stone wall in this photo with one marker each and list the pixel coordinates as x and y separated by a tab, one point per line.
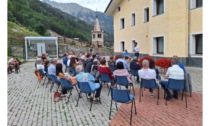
18	51
63	48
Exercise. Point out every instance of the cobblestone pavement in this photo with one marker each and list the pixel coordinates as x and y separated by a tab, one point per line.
30	103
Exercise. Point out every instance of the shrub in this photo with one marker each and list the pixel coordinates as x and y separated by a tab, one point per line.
163	63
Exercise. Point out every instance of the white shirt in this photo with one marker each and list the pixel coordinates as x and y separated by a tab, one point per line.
68	62
11	60
175	72
40	66
136	49
147	74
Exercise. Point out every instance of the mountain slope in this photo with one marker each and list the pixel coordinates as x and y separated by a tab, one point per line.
38	16
84	14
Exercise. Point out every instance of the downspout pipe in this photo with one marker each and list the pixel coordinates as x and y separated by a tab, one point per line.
189	56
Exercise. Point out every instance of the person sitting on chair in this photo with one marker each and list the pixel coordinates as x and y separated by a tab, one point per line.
152	66
40	65
104	69
86	77
121	58
147	73
173	72
134	65
15	63
111	61
120	71
51	69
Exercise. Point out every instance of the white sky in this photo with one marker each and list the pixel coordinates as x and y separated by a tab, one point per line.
100	5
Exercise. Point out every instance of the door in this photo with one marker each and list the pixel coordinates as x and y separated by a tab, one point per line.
41	48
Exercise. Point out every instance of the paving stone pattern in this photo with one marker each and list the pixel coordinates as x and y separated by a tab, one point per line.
31	104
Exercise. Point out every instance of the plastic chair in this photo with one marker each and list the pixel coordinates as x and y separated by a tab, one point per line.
178	85
68	85
105	79
148	84
122	96
43	75
54	80
87	89
123	81
112	67
135	74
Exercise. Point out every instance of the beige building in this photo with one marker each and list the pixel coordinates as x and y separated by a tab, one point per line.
97	34
162	28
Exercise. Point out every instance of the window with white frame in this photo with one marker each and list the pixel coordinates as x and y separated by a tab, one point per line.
93	36
133	19
122	46
146	14
158	7
122	23
196	44
196	3
158	45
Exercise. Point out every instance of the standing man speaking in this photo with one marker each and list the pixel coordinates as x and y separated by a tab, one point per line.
136	50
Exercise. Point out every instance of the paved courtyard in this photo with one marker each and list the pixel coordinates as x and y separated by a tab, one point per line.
31	104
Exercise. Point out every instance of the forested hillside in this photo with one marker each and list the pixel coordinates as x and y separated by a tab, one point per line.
38	17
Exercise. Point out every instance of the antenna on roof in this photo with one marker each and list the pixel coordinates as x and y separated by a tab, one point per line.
96	13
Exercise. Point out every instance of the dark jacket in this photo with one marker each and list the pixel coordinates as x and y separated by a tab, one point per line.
134	66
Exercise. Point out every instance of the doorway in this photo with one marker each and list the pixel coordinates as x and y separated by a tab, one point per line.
41	49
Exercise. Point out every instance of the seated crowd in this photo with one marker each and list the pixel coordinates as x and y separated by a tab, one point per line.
87	67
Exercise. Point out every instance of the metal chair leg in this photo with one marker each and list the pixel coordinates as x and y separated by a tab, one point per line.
116	106
182	94
165	97
58	87
158	97
140	94
47	83
91	103
110	110
44	80
135	105
51	87
69	96
186	99
133	90
131	113
78	99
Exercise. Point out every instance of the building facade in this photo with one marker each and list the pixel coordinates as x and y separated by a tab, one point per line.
162	28
97	35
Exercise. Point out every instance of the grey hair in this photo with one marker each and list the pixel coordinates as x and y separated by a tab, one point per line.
52	60
79	68
175	60
145	63
135	58
38	61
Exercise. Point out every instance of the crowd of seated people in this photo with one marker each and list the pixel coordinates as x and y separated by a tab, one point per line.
88	67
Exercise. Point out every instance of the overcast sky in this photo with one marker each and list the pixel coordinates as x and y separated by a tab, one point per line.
100	5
